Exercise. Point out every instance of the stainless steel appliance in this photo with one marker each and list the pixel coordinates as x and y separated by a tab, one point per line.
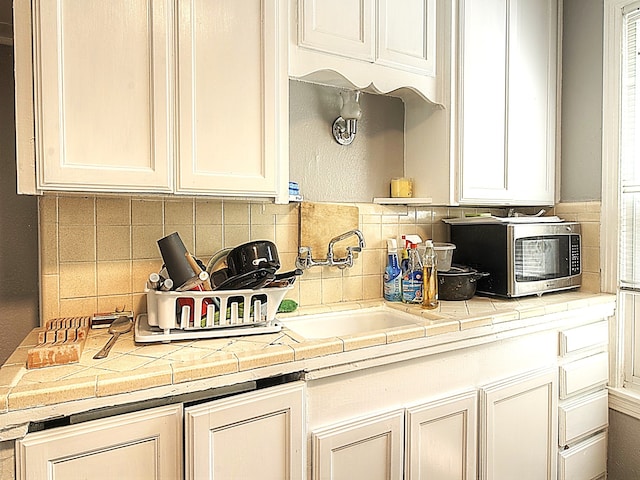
521	258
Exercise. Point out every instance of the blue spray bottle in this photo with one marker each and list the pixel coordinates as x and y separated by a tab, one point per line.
392	273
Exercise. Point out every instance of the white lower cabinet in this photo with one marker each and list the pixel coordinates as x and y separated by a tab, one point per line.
370	448
583	412
434	440
518	429
441	439
253	435
145	444
516	424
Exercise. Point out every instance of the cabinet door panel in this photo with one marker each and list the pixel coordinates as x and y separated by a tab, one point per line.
370	448
441	439
586	460
406	34
145	444
341	27
583	416
483	73
230	96
519	428
584	374
531	94
101	86
507	101
253	435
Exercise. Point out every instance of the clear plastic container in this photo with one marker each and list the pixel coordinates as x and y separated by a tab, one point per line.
444	254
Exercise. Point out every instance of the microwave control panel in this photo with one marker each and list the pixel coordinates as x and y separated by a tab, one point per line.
575	255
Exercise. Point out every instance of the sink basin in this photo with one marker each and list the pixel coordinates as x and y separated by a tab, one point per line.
349	322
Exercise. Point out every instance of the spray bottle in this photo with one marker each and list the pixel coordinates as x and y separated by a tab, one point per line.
412	283
392	273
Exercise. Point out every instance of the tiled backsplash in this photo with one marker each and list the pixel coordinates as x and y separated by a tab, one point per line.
97	251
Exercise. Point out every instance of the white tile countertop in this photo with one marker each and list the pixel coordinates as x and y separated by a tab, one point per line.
135	372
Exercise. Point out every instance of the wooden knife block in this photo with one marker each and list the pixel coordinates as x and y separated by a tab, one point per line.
61	341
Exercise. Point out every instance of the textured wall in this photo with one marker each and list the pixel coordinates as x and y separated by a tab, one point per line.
623	462
328	171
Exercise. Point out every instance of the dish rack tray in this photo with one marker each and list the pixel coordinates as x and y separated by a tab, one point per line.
208	314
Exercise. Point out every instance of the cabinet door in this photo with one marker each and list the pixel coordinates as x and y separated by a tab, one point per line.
368	448
531	114
518	429
253	435
102	96
441	439
145	444
407	35
483	102
232	96
341	27
507	101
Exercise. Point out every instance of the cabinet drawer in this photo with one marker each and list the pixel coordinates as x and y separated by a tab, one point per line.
584	374
584	337
584	461
583	416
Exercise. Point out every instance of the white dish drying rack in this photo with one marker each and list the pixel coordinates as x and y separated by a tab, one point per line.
194	315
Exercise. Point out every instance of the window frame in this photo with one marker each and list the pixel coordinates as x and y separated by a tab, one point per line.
624	394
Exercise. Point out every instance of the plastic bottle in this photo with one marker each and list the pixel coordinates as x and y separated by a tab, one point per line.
392	274
412	278
430	277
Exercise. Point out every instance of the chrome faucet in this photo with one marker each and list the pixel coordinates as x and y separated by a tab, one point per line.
305	258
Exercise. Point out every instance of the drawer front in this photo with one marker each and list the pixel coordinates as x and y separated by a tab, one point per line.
582	417
584	374
584	461
585	337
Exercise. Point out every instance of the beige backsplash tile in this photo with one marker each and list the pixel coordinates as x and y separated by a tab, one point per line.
89	263
179	212
144	241
113	211
77	243
235	213
78	279
74	210
147	211
113	242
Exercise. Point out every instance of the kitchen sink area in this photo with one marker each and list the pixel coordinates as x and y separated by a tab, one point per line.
350	322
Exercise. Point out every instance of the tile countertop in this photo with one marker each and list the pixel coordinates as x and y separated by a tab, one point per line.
135	372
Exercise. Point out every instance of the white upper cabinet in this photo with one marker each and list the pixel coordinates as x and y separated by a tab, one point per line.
378	45
154	96
506	130
494	143
102	94
232	96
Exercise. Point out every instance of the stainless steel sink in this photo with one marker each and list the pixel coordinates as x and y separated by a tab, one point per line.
349	322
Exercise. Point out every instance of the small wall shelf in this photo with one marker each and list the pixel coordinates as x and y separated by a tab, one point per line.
403	201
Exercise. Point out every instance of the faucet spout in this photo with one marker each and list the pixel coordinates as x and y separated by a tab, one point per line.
306	260
348	260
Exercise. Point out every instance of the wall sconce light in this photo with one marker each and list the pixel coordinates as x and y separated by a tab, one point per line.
345	126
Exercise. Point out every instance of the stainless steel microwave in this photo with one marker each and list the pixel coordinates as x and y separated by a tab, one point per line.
520	258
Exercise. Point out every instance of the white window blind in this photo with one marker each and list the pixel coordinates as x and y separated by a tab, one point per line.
630	159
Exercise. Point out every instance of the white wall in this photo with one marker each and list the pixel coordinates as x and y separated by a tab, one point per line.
328	171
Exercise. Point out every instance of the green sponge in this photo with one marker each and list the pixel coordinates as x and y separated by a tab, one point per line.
287	306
